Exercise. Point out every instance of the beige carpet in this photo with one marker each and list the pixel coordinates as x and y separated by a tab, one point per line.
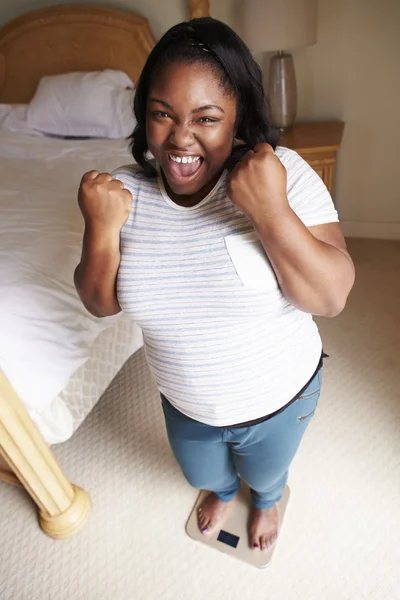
341	536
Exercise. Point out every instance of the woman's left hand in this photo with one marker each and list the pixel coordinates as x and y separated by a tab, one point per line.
257	184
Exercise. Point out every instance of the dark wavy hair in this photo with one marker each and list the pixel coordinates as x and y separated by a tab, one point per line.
210	42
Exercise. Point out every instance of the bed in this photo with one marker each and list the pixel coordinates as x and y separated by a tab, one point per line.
55	358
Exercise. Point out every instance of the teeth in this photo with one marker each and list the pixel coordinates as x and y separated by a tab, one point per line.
184	159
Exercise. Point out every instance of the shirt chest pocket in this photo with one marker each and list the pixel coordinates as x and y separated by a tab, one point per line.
250	261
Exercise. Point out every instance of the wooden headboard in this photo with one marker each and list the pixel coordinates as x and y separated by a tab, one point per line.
73	37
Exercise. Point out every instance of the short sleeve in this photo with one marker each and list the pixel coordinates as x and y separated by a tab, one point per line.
307	194
128	176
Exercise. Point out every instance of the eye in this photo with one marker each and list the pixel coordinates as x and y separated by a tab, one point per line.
160	113
207	120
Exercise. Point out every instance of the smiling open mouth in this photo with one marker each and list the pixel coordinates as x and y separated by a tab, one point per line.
182	167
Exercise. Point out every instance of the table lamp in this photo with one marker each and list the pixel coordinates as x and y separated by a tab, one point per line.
280	25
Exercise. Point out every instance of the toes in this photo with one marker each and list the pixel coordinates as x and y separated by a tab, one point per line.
201	519
267	542
209	526
254	541
210	514
260	543
271	541
263	543
204	523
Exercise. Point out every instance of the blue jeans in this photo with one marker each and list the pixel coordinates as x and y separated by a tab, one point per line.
215	458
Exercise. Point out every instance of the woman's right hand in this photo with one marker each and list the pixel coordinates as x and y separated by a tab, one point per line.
104	202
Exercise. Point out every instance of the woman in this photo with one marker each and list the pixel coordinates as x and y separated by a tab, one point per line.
222	268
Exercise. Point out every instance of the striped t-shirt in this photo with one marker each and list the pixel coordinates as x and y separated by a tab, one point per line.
221	340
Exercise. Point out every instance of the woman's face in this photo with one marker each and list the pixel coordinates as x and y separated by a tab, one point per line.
190	128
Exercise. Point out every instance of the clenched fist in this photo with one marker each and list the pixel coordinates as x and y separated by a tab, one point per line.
104	202
257	184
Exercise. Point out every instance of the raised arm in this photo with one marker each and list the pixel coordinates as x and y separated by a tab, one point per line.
105	205
312	265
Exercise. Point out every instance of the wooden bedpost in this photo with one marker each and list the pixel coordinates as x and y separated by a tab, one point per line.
199	8
63	508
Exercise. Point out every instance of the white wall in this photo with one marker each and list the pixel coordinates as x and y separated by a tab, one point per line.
352	73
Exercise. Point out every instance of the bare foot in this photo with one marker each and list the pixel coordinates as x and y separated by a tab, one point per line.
264	527
211	514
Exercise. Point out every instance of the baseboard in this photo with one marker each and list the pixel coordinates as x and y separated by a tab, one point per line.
377	231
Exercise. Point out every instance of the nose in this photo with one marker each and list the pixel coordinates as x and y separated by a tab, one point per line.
181	136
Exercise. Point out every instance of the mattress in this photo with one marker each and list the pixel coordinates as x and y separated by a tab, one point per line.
61	418
57	356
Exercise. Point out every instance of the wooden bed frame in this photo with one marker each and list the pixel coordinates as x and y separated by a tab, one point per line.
64	38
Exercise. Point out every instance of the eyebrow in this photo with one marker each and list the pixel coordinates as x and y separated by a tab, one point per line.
196	110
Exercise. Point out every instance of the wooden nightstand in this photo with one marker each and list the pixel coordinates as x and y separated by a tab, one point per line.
318	143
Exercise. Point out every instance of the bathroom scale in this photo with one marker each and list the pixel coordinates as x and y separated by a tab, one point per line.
233	537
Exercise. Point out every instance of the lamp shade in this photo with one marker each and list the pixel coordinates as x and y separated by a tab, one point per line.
272	25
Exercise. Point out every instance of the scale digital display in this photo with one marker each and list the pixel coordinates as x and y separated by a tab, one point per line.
228	538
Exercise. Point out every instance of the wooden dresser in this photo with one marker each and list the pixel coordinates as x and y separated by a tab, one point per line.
318	143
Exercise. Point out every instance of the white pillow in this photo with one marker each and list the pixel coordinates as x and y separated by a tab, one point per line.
95	104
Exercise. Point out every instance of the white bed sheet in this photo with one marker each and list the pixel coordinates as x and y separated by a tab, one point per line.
46	335
13	118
